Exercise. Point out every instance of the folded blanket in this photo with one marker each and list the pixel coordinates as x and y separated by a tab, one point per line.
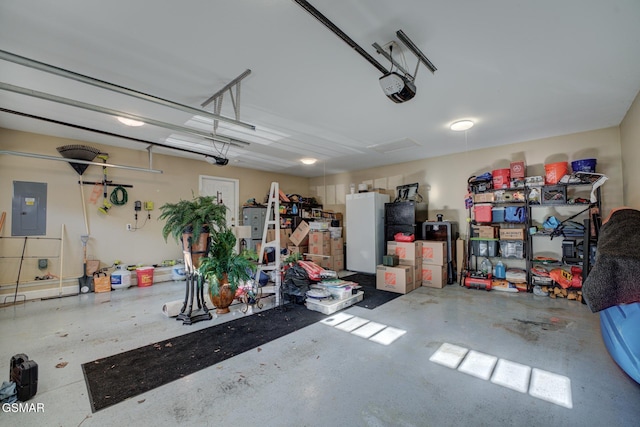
615	277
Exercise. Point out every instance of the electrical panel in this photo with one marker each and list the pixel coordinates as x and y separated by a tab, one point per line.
29	209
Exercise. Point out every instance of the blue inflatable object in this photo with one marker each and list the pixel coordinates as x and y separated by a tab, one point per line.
620	327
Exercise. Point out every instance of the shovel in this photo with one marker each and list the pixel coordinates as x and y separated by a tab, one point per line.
85	281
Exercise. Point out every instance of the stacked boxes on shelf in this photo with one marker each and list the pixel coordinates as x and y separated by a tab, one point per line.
434	264
404	277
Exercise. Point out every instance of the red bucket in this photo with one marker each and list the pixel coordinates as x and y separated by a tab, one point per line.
501	178
145	276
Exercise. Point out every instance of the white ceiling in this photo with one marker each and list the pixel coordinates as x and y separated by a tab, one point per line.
522	70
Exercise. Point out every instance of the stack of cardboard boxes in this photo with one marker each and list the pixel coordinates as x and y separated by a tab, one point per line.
299	239
404	277
434	264
326	251
420	263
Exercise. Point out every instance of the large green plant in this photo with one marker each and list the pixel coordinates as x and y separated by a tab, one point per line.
198	213
222	260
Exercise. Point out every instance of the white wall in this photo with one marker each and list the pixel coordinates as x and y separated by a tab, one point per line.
630	144
109	241
443	180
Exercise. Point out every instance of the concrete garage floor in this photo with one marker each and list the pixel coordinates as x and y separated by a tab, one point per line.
497	359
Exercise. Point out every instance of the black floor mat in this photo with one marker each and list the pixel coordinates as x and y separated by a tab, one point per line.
372	297
115	378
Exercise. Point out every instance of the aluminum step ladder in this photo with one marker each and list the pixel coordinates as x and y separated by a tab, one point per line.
272	218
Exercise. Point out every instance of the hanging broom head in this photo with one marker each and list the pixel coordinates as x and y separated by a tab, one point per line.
78	152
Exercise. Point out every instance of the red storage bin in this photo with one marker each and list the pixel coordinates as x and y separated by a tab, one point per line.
482	213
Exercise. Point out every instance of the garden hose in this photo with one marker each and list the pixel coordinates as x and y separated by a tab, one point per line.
119	196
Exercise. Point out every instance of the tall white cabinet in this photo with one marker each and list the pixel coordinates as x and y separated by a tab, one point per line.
365	231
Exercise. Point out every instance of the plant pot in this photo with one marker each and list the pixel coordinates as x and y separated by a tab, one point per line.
196	250
224	298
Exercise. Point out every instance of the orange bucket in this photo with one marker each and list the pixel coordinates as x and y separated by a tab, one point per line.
553	172
145	276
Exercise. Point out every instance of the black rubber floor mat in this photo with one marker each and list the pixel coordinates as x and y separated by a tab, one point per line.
112	379
372	297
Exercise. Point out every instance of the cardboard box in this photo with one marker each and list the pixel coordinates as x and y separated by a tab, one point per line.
293	249
316	249
285	235
434	276
485	232
512	234
395	279
300	236
319	242
337	262
405	250
518	170
328	262
483	198
324	261
461	256
417	273
337	246
434	252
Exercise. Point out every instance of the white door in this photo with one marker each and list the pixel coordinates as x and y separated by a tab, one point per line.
226	191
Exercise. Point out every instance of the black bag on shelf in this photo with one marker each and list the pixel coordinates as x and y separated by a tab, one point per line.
24	373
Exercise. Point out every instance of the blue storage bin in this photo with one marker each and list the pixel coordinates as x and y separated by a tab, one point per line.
497	214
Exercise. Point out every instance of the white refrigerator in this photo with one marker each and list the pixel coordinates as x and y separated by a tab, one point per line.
365	231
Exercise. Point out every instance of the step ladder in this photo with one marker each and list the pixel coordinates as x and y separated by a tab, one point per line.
272	218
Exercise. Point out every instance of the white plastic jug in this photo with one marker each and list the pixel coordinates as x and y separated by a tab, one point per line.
485	266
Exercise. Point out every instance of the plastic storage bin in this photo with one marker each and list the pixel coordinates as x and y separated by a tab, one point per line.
512	248
486	248
497	214
482	213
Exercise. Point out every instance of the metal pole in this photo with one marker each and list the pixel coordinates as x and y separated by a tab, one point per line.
117	113
115	88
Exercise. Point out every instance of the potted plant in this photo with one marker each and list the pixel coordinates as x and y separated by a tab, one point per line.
190	221
224	269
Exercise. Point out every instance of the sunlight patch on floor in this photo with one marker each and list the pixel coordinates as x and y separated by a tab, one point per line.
541	384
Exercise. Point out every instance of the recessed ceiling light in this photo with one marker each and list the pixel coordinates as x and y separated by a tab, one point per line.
308	161
130	122
461	125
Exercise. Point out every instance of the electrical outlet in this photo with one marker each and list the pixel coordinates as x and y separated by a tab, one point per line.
128	227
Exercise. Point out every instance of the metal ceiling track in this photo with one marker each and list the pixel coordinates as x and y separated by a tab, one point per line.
17	59
218	96
149	144
401	36
338	32
116	113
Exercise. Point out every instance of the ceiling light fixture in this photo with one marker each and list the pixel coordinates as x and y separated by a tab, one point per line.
308	161
130	122
461	125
